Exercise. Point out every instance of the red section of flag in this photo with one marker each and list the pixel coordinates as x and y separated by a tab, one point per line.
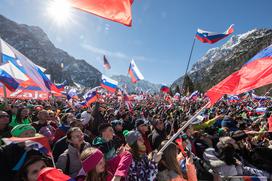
269	124
114	10
179	142
252	75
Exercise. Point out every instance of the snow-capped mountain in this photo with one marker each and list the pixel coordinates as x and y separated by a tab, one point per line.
33	42
220	62
142	85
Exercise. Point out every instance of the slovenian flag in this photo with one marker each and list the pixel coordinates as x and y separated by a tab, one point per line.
255	73
91	98
109	83
72	94
11	76
210	37
134	72
33	72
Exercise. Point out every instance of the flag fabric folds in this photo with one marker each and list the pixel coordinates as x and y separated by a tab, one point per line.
210	37
134	72
106	64
11	76
114	10
72	94
91	98
39	143
165	89
255	73
109	83
26	67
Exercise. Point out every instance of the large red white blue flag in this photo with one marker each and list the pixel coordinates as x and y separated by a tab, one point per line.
255	73
134	72
22	64
211	37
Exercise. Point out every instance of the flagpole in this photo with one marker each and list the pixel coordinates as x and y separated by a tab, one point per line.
183	127
188	63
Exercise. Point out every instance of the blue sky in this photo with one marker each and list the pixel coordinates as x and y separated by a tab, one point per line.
159	40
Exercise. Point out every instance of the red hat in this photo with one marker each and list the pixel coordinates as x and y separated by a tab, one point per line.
52	174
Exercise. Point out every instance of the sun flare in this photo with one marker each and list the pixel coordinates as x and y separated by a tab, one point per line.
60	11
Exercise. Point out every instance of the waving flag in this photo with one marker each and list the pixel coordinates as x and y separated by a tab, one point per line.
61	86
165	89
11	76
37	143
109	83
134	72
194	95
255	73
72	94
259	98
114	10
31	70
91	98
210	37
106	64
253	178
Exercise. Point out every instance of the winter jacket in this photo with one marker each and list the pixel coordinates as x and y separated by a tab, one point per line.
61	145
157	137
108	148
142	170
220	166
74	166
14	122
98	119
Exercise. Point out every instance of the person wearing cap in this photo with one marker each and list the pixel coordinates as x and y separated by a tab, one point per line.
158	134
96	168
105	141
142	167
69	162
117	126
23	131
142	126
4	127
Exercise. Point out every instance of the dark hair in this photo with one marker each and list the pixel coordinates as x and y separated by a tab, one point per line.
70	131
227	154
103	127
169	157
134	150
18	115
23	172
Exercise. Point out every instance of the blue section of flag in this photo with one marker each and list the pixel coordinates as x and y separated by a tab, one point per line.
8	80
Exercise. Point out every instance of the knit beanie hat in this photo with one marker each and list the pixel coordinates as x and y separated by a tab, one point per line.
131	136
20	128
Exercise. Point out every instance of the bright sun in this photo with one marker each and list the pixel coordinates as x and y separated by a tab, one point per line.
59	11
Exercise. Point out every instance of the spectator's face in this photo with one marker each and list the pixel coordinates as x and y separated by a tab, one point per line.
143	128
107	134
27	134
77	138
119	127
25	113
34	169
100	167
4	119
160	125
43	116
